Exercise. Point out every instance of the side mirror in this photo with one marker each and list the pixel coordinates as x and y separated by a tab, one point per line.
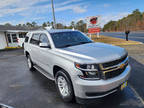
44	45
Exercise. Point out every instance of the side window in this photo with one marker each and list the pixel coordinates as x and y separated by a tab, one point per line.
44	38
14	37
22	35
35	39
26	39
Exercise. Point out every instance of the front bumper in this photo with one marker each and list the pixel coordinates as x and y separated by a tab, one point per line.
85	89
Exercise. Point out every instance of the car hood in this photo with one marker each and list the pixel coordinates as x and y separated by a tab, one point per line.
93	53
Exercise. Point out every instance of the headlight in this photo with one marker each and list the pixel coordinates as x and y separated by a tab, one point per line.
90	71
87	67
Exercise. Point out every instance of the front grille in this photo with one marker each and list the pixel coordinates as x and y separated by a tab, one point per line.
114	68
116	62
114	73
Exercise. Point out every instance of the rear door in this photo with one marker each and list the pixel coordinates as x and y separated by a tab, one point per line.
34	47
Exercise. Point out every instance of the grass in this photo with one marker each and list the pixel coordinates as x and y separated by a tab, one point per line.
10	48
114	41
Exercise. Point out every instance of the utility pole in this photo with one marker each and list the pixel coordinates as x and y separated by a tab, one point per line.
53	14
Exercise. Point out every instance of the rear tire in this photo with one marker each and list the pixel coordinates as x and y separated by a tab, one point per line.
23	45
64	86
30	63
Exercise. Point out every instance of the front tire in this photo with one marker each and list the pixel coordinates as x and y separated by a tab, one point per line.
30	63
64	86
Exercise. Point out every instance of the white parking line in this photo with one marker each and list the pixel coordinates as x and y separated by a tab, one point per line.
137	95
4	106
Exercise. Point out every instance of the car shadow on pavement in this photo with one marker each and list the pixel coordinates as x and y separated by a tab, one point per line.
137	76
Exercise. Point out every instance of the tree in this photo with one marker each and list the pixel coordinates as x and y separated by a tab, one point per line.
44	25
110	26
24	25
133	22
34	24
136	11
80	25
48	24
72	25
52	24
8	24
19	25
28	24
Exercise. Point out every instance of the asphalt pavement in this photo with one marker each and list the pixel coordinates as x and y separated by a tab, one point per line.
135	36
21	88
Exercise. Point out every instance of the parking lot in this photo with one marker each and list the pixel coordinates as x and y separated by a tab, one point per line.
21	88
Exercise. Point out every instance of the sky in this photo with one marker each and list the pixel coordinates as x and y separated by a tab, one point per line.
22	11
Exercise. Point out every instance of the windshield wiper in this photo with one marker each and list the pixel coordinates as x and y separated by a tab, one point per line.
75	44
84	42
66	46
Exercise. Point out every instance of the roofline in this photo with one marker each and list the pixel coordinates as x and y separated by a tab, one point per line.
59	30
15	31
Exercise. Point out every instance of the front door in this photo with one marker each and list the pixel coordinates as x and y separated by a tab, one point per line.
12	39
45	55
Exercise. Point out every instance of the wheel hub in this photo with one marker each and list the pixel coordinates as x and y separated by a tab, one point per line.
63	86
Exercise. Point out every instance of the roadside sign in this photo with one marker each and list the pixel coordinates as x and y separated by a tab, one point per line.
93	25
93	30
93	22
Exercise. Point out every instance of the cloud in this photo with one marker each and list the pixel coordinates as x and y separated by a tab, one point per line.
76	8
13	22
15	6
68	2
4	3
114	17
10	11
31	10
79	9
25	7
106	5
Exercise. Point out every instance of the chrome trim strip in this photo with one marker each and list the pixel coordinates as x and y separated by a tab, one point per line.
111	70
89	70
90	78
115	66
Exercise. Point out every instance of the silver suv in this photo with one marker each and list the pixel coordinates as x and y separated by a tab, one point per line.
82	69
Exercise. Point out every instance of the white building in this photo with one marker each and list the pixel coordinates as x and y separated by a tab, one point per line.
12	36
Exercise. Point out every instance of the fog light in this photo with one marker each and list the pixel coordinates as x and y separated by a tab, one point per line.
92	73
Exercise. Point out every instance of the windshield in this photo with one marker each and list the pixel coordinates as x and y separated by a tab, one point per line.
66	39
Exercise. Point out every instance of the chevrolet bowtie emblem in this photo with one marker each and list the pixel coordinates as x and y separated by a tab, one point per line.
122	66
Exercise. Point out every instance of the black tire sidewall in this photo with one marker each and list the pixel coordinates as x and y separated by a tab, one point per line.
30	68
70	97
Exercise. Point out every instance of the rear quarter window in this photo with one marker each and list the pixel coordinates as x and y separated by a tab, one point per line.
35	39
26	39
22	35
